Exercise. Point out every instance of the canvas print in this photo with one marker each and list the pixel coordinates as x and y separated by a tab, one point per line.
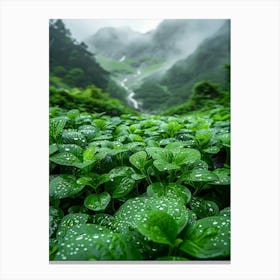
139	134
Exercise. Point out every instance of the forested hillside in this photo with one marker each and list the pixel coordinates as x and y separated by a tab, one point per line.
72	65
209	62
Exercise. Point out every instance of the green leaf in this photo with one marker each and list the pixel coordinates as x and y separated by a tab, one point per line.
225	212
97	202
56	127
130	212
208	238
156	189
103	219
73	114
179	191
158	226
212	150
122	171
90	131
52	149
200	175
225	139
138	159
70	221
186	156
74	137
88	154
156	152
65	158
135	137
94	242
86	181
223	175
123	187
73	149
64	185
171	190
165	166
204	208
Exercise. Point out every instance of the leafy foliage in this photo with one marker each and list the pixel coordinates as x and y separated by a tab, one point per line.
139	187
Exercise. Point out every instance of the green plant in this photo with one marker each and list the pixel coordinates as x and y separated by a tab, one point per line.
139	187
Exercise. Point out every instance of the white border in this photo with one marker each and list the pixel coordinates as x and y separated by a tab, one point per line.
24	138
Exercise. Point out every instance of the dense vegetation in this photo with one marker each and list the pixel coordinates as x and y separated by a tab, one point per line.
125	185
139	188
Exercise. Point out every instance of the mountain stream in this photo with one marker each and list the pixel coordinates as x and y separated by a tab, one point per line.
131	94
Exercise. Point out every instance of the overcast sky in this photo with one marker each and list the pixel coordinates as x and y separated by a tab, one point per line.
83	28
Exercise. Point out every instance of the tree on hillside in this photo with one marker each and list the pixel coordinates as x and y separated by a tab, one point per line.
66	52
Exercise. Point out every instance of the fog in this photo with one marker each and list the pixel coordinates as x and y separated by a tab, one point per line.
81	29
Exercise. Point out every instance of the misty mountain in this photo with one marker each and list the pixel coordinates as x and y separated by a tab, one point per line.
112	42
172	38
206	63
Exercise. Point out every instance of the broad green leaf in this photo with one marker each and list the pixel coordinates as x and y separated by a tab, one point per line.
212	150
166	141
174	146
186	156
103	219
208	238
73	114
164	166
93	242
203	136
64	185
158	226
225	212
90	131
182	192
223	175
200	175
52	149
56	127
135	138
155	152
172	190
122	171
130	212
138	159
133	146
86	181
73	149
225	139
123	187
97	202
65	158
204	208
88	154
156	189
74	137
68	222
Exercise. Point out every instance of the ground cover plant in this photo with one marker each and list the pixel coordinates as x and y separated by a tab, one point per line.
139	187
